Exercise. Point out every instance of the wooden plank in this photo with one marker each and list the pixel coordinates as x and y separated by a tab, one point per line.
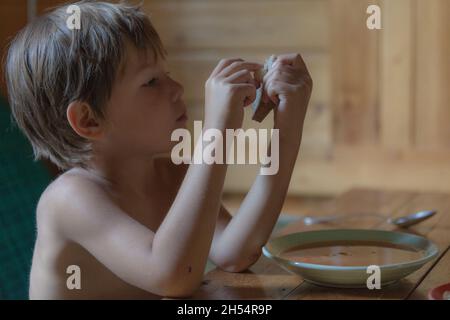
358	201
397	58
368	167
355	69
436	229
433	75
221	24
439	275
266	280
371	167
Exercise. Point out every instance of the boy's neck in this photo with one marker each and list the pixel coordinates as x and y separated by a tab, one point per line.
129	175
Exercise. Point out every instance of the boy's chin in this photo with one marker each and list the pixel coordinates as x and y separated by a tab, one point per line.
171	145
166	148
181	124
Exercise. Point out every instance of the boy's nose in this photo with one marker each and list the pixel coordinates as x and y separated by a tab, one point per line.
178	91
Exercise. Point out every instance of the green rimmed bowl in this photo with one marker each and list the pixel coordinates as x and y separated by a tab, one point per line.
349	276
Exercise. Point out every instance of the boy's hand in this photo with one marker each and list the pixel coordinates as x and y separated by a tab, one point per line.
229	88
289	85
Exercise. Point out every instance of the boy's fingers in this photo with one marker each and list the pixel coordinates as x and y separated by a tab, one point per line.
240	65
248	93
285	73
222	64
271	90
293	59
270	74
240	77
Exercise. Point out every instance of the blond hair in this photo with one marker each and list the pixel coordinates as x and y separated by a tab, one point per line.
48	66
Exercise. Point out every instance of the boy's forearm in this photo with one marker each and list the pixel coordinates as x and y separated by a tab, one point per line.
184	238
252	225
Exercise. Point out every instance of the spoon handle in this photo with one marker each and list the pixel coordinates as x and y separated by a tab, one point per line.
330	218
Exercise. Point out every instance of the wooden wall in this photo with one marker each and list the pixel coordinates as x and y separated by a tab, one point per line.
380	109
199	33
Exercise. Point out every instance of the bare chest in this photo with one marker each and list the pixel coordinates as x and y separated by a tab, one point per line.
151	209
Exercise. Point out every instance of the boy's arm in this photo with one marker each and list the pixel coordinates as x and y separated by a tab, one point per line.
238	240
289	84
170	262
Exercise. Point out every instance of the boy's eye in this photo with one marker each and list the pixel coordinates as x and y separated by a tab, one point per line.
151	82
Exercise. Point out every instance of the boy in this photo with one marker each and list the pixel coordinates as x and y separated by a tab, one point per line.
99	103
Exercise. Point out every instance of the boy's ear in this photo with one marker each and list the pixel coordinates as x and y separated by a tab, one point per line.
83	121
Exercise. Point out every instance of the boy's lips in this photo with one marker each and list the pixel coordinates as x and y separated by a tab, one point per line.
183	117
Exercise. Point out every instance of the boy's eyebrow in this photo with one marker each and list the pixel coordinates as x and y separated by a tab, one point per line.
137	70
146	66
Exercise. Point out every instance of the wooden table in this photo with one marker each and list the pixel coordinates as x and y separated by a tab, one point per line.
265	280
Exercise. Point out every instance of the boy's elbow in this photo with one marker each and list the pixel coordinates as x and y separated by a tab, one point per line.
240	265
184	287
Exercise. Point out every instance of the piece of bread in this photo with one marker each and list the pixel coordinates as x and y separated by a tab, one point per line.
261	109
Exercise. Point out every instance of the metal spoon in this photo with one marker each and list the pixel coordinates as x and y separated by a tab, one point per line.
403	222
412	219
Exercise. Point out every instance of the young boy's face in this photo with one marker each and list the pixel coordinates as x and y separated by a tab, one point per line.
146	106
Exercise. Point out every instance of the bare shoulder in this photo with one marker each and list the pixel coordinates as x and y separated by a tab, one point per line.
69	196
68	186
